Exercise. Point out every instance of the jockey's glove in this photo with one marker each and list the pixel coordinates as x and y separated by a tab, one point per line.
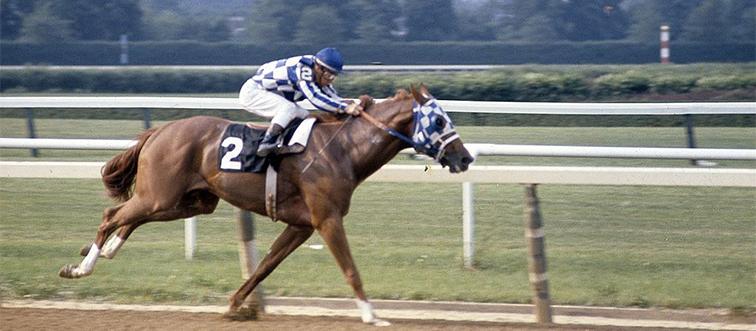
354	108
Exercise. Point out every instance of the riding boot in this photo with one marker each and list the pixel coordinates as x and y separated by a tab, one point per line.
271	140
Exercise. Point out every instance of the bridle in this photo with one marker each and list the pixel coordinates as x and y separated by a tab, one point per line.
437	146
433	147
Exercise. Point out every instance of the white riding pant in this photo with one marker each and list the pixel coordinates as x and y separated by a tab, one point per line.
269	105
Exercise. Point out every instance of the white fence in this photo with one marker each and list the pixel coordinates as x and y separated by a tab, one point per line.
476	174
615	176
379	67
475	149
493	107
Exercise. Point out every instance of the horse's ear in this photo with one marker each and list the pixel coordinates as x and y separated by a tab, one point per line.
424	91
422	96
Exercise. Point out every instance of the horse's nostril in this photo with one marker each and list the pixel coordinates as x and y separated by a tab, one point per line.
467	160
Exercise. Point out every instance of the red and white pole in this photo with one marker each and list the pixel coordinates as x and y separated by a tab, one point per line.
664	37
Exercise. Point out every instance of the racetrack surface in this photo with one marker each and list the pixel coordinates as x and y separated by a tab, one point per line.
340	314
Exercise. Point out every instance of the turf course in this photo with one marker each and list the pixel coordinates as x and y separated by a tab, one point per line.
619	246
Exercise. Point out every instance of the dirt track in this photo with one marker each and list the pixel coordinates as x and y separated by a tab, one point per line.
65	319
329	314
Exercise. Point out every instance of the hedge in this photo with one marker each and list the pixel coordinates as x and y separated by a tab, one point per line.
730	82
534	83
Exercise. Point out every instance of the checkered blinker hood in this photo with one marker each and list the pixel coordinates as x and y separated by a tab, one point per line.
433	129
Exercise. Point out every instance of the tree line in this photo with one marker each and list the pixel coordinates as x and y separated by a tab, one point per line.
335	21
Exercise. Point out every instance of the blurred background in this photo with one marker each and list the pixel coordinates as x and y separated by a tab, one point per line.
248	32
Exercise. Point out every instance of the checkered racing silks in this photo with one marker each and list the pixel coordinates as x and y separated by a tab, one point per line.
294	79
433	129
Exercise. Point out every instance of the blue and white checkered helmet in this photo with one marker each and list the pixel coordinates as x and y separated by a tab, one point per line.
330	58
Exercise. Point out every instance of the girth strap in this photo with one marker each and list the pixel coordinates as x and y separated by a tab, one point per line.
271	180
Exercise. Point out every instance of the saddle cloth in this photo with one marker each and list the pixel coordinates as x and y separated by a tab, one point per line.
237	151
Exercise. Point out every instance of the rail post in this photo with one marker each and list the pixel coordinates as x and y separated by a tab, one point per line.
190	237
248	257
147	116
692	142
468	224
534	235
690	135
32	133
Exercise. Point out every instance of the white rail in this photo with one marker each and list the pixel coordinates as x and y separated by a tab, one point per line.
347	68
476	174
475	149
65	143
495	107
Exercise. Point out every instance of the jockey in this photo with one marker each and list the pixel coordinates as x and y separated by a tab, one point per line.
276	87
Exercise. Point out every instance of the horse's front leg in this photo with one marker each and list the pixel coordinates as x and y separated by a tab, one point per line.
332	231
287	242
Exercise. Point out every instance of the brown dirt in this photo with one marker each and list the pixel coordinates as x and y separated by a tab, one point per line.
64	319
67	319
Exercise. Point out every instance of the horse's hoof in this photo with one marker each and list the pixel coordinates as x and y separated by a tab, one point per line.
84	251
244	313
379	322
67	271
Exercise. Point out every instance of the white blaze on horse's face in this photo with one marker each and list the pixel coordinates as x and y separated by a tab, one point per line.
433	129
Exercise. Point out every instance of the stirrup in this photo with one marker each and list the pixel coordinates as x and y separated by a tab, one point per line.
265	148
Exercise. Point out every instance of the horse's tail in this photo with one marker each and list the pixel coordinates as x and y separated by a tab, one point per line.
118	174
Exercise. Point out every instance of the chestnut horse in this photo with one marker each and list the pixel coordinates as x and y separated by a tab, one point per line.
172	173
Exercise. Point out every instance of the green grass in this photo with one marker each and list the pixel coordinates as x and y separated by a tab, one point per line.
619	246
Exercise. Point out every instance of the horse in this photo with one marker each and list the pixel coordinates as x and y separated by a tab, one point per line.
172	173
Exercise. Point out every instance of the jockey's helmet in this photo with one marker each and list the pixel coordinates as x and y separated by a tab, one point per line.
330	58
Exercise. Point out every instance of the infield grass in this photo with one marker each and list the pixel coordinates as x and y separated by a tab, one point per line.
606	245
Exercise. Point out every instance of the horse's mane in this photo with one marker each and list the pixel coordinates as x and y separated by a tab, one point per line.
402	94
368	103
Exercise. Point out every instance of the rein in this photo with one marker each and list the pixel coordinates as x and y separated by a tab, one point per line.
326	144
384	127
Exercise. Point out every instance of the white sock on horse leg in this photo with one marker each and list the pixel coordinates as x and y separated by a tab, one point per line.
112	247
366	312
87	265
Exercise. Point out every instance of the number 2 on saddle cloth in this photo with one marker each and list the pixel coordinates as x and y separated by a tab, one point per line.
239	144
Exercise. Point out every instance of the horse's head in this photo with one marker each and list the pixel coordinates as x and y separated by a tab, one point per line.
433	133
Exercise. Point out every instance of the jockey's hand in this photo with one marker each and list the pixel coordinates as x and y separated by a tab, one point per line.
354	108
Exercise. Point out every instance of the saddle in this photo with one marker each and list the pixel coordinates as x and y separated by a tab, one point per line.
237	151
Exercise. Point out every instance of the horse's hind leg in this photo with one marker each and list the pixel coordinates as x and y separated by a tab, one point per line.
114	244
130	211
107	216
132	214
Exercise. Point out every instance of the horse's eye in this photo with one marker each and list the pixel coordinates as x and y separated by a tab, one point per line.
440	122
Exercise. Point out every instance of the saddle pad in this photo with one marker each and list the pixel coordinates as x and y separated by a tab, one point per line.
238	147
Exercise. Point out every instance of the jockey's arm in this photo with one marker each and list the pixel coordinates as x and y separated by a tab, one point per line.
320	99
